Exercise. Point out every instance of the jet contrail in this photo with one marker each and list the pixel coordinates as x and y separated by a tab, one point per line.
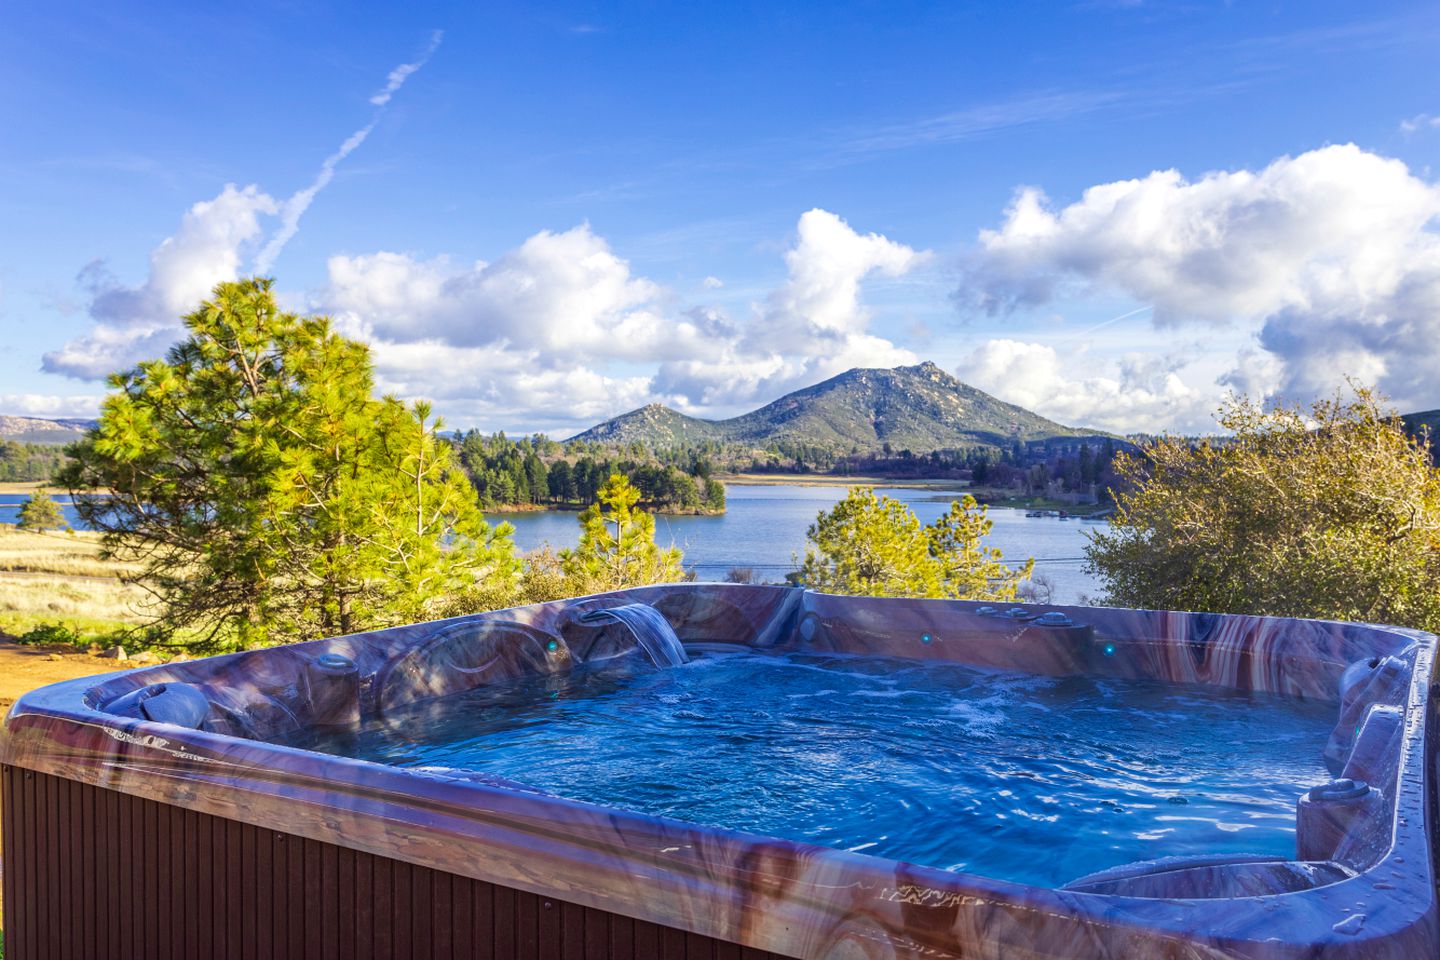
398	75
1102	324
294	208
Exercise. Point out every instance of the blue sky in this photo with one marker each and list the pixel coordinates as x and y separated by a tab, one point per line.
563	212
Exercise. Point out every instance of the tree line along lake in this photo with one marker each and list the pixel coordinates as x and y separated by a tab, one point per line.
763	528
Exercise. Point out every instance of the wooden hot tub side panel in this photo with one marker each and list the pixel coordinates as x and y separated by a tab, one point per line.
95	873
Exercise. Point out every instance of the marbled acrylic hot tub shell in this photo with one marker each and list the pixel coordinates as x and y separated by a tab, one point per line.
1362	883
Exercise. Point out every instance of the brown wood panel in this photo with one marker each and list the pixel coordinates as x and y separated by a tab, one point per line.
64	840
572	932
485	913
7	842
171	884
503	927
291	879
462	919
345	898
152	876
597	933
311	896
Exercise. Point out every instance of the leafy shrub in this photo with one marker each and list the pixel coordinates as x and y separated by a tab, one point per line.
47	633
1330	512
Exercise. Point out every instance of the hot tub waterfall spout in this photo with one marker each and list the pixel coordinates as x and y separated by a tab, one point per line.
652	632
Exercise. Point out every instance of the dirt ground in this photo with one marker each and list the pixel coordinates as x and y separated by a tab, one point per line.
23	668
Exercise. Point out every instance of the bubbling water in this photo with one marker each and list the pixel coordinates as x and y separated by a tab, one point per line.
1031	779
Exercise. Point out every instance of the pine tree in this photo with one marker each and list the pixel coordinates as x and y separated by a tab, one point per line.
714	496
617	543
562	481
876	547
266	494
40	512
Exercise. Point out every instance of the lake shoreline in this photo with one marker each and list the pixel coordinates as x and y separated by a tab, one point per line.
524	509
830	480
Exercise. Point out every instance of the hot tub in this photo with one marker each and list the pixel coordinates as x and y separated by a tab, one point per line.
826	777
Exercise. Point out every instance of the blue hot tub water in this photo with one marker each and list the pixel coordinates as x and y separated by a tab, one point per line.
1036	780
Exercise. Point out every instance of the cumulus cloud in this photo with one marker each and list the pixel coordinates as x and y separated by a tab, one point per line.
494	386
812	326
50	407
1138	392
527	337
136	322
566	294
827	264
1330	256
533	333
557	332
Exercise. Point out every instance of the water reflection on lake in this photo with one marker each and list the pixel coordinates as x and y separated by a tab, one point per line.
764	529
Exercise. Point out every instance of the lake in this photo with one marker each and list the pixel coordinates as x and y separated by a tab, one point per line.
764	529
10	509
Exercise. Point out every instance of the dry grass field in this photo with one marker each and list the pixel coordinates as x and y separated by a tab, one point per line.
75	554
60	578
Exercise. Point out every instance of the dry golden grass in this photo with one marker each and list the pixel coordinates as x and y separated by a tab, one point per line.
85	605
69	554
60	578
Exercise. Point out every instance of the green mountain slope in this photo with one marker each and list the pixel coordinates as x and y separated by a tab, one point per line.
919	408
654	423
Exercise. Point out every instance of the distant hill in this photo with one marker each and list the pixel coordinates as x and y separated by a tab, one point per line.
1427	419
919	408
1429	422
38	430
652	424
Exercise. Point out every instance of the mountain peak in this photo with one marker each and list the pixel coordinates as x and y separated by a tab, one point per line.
918	408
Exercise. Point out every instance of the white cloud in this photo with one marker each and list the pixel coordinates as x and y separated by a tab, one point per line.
1257	373
558	331
712	283
136	322
1421	121
498	387
1331	256
813	326
139	322
827	264
566	294
50	407
294	208
533	334
527	338
1138	392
